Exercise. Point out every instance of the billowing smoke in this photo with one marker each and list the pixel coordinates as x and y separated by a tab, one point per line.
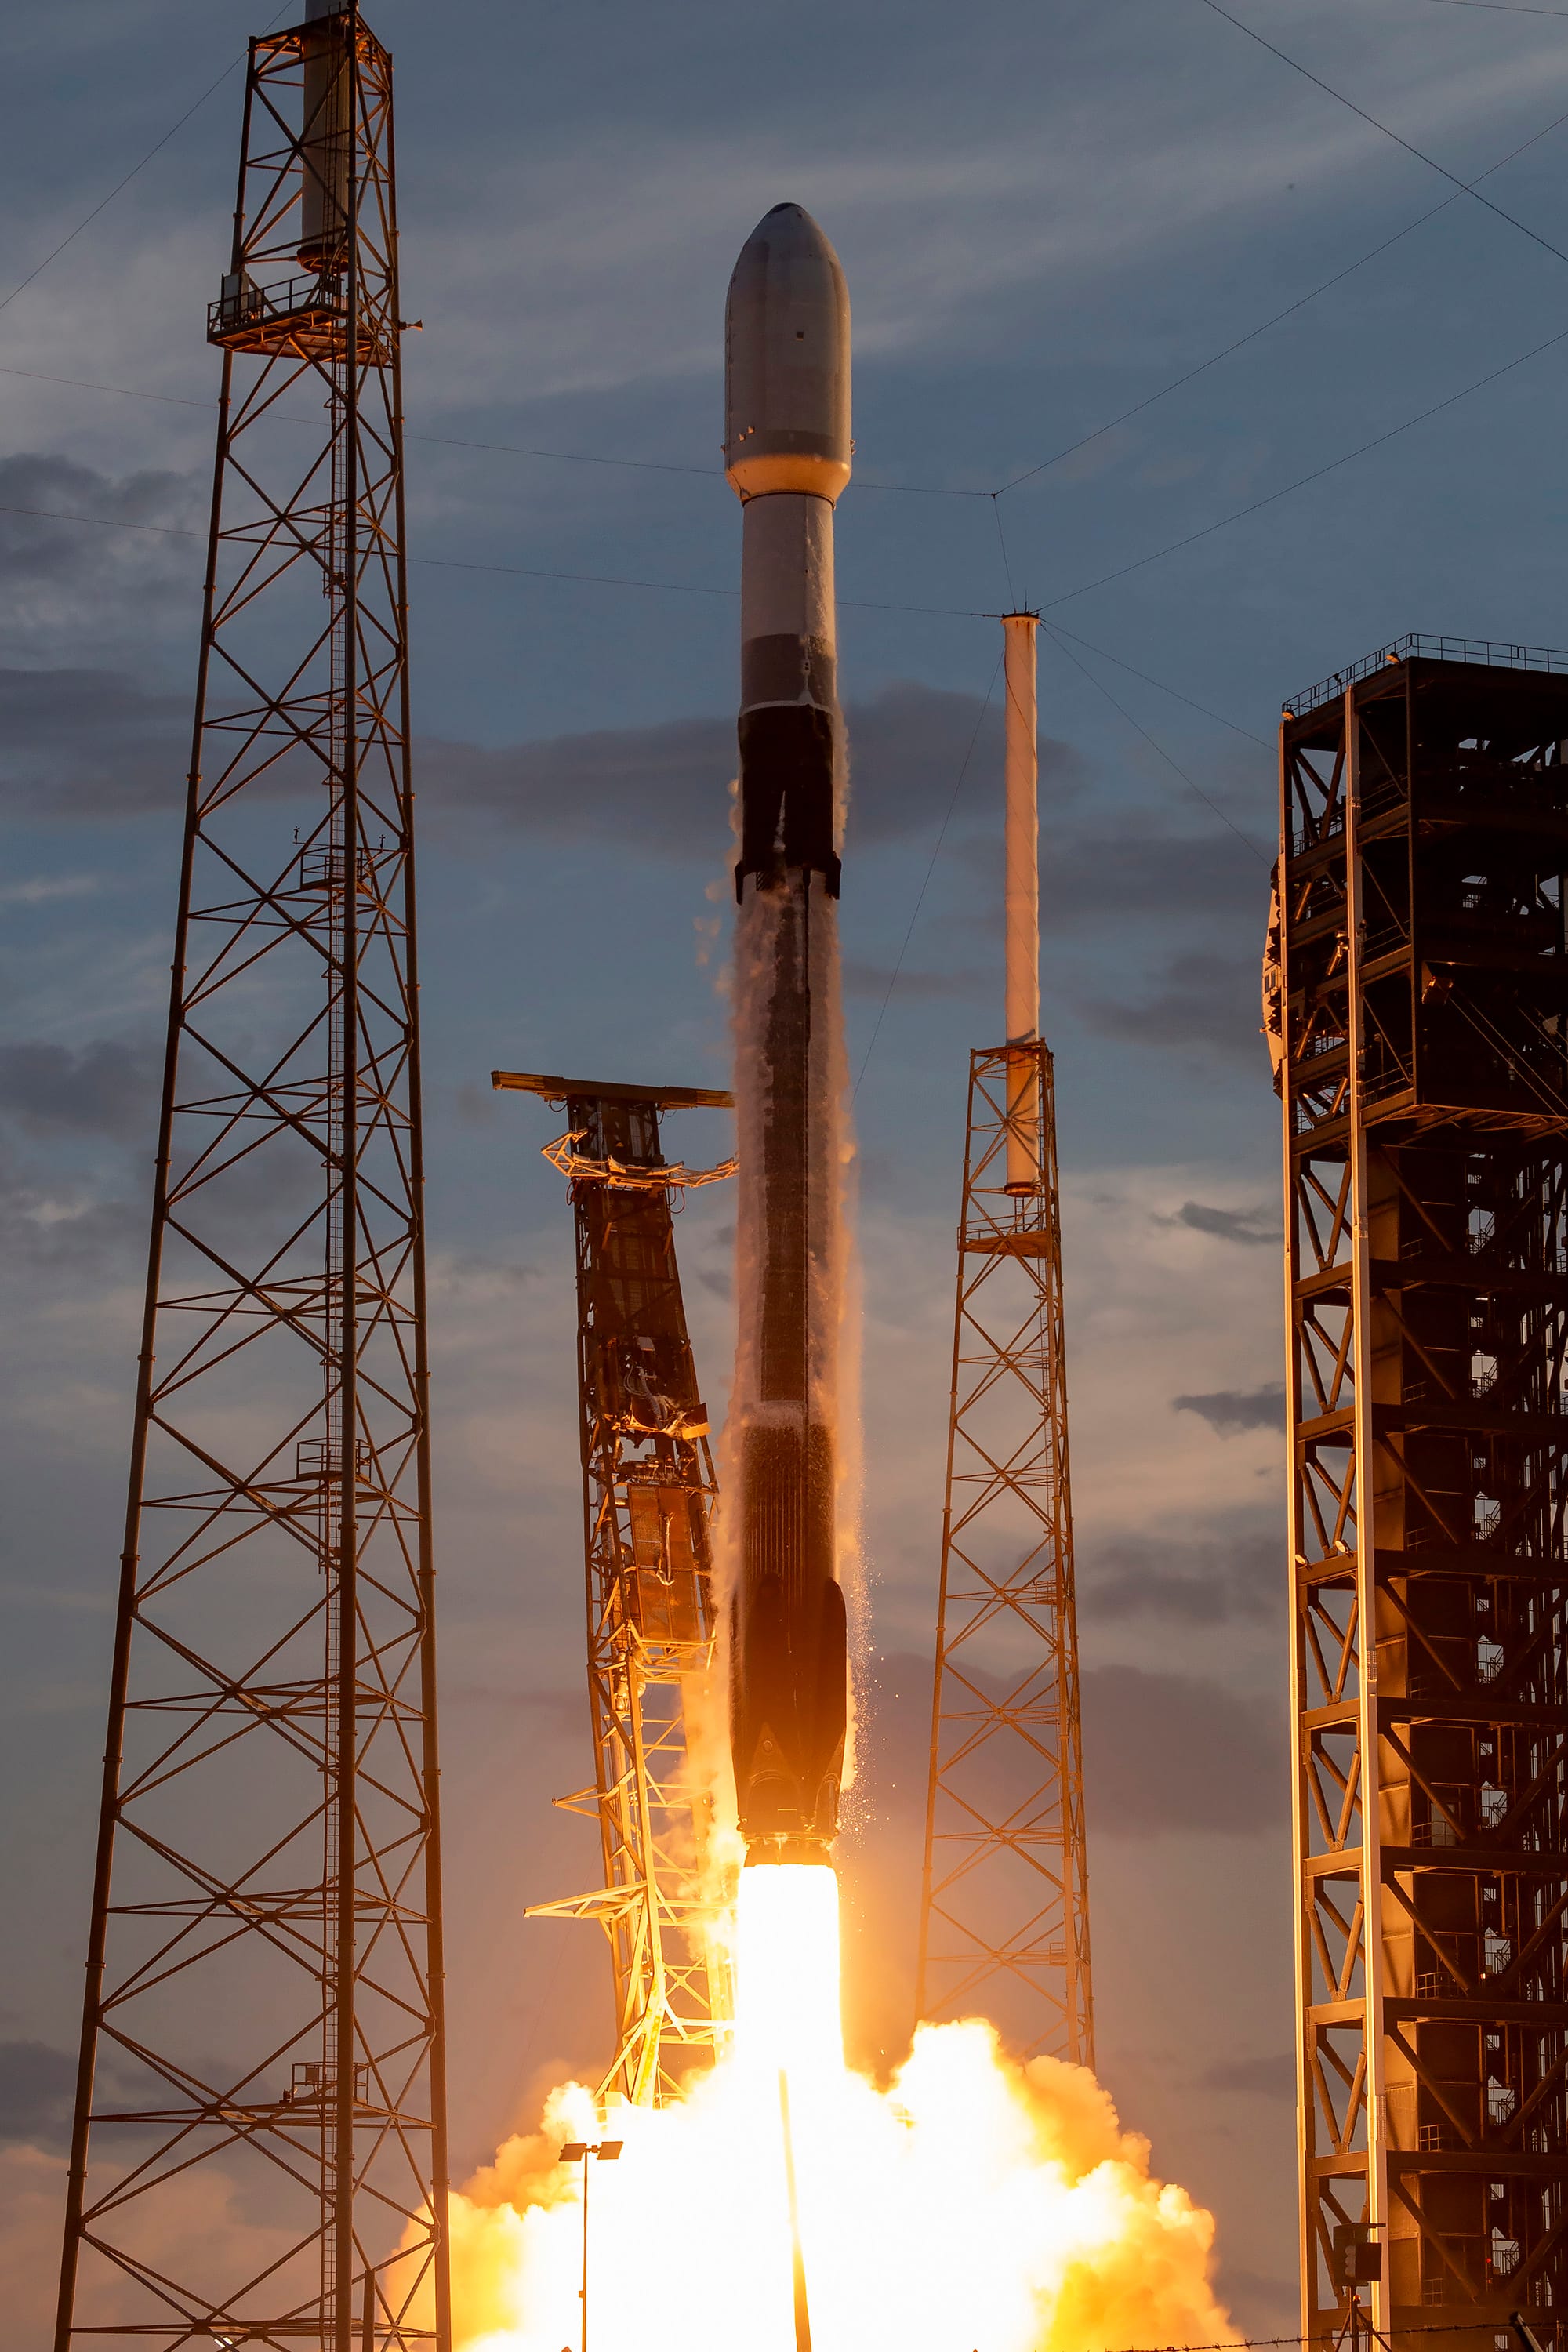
975	2201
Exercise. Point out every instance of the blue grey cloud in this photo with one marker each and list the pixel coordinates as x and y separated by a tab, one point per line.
108	1089
38	2089
1199	1002
1230	1411
1220	1576
1165	1752
665	787
1251	1227
90	744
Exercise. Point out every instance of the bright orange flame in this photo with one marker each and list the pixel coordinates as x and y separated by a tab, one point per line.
786	1973
976	2202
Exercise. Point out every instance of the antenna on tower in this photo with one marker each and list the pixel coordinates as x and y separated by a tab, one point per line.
1022	899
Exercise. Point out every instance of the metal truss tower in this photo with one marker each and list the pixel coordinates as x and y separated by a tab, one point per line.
1005	1894
259	2152
1417	995
1004	1898
649	1493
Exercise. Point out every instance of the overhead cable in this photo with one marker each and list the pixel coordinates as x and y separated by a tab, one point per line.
935	611
1505	7
1157	747
104	201
1467	187
912	489
908	489
1301	481
107	522
513	570
925	885
1057	629
1278	316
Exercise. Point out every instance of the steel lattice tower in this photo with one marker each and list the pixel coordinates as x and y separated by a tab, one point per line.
649	1494
259	2152
1005	1894
1417	985
1005	1899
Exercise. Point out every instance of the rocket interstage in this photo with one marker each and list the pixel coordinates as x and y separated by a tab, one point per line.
787	452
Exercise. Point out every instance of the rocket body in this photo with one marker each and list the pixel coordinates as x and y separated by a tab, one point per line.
787	454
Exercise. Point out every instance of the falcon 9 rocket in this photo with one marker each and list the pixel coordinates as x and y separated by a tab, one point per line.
787	452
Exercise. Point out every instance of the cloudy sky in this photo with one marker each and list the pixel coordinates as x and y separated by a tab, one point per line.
1269	389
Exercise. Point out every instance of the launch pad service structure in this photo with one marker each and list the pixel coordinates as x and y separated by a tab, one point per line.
649	1494
1417	1001
787	454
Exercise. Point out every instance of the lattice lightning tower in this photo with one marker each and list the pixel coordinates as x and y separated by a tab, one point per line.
262	2033
1004	1896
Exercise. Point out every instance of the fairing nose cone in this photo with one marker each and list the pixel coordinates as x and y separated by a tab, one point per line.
786	362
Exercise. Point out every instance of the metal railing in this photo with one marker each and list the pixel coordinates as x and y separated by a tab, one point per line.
243	303
1488	652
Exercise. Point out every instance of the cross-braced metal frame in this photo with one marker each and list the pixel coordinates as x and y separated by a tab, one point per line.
259	2153
1418	982
649	1494
1004	1896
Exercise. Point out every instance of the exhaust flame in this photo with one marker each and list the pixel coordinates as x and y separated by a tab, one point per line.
786	1975
974	2202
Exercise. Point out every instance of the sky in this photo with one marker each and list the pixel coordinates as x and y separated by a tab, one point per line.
1268	389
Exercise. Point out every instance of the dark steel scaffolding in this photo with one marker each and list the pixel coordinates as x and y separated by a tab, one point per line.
649	1493
1004	1898
1417	989
258	2154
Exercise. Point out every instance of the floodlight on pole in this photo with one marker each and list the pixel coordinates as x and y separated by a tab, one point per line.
578	2151
802	2306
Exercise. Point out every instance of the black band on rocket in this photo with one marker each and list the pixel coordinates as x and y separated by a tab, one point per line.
786	793
788	670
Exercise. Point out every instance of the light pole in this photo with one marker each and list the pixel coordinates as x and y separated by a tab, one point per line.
802	2302
580	2151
